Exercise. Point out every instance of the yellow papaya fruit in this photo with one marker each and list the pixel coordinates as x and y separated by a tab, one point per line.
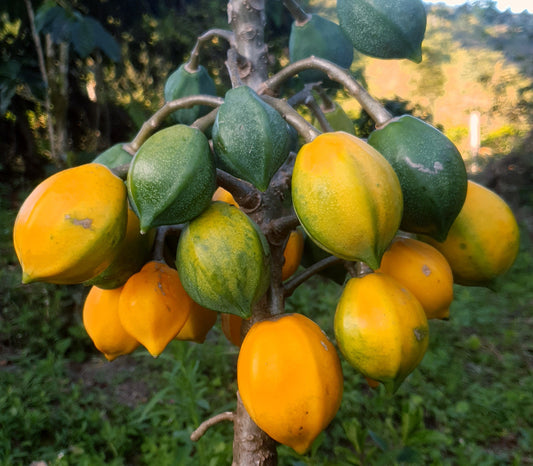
198	324
133	253
484	239
424	271
292	254
290	379
101	321
68	229
347	197
231	325
381	329
153	306
223	195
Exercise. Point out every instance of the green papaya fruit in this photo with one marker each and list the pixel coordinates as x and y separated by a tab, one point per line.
183	83
431	171
321	38
251	140
114	156
223	260
384	29
172	177
338	120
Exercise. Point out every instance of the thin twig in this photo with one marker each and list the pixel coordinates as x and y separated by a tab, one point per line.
291	285
159	117
245	194
280	227
291	116
193	63
204	426
297	12
375	109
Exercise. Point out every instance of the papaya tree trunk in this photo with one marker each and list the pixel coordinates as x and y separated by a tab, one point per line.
251	446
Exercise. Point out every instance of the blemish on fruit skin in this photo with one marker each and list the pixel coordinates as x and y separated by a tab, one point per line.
426	270
420	333
324	345
86	223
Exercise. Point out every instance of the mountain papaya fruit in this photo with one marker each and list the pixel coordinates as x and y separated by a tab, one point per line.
250	138
347	197
391	29
114	156
198	324
69	228
483	241
322	38
102	323
290	379
184	82
133	252
431	171
223	260
172	177
381	328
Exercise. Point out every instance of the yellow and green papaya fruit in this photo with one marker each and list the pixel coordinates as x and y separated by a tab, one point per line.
223	260
172	177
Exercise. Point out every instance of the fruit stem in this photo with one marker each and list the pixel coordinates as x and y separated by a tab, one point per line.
192	65
291	116
375	109
297	12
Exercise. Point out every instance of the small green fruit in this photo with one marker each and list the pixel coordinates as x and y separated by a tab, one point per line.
114	156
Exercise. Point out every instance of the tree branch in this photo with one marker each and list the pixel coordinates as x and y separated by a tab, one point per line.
245	194
204	426
297	12
192	65
377	112
291	285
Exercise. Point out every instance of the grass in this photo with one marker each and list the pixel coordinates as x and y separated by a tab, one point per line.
469	402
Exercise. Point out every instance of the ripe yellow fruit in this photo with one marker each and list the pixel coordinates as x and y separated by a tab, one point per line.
101	321
484	239
347	197
381	329
153	306
198	324
68	229
290	379
231	327
292	254
223	195
424	271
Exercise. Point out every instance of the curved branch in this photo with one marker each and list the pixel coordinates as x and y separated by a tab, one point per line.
245	194
377	112
204	426
159	117
291	285
291	116
192	65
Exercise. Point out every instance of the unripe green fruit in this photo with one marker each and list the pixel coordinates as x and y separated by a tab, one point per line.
114	156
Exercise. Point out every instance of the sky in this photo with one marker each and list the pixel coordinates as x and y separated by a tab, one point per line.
516	6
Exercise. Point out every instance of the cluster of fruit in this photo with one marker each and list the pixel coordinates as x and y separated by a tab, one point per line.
398	206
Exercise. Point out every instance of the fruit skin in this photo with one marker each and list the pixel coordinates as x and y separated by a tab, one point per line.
198	324
225	196
431	171
231	327
132	254
114	156
424	271
182	83
153	306
223	260
483	241
391	29
322	38
347	197
290	379
292	254
381	329
68	229
250	138
338	119
102	323
172	177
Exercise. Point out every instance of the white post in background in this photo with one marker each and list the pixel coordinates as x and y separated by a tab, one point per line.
475	139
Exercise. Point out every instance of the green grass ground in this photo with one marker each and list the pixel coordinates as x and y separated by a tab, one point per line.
469	402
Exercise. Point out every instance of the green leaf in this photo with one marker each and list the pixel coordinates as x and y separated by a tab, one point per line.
104	40
83	38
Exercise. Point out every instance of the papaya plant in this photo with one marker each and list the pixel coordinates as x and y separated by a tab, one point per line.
234	188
